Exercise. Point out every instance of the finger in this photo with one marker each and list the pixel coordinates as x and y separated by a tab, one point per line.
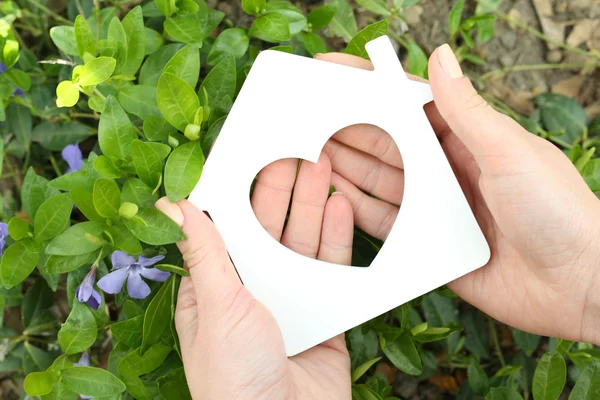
216	283
373	140
367	172
338	231
271	195
374	216
485	132
303	230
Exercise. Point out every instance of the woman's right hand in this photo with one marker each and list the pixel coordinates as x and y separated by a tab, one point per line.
540	219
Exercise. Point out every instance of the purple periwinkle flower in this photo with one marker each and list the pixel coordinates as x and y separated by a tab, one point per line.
19	93
86	293
126	267
3	68
3	236
72	155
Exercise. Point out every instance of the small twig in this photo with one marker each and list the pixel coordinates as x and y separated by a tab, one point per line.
494	335
529	67
50	12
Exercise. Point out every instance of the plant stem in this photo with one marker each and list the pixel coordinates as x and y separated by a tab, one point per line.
529	67
26	162
494	335
55	165
50	12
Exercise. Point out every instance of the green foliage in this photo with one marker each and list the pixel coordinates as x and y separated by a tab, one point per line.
144	91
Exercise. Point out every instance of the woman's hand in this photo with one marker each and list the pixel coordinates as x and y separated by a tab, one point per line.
539	217
231	345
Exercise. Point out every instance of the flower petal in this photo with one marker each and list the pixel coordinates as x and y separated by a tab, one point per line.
84	361
113	282
84	291
121	259
136	287
3	230
146	262
95	300
154	274
72	155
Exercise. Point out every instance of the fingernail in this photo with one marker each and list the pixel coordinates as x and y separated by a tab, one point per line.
170	210
449	62
317	55
338	193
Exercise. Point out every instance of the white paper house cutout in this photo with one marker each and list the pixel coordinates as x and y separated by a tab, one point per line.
289	107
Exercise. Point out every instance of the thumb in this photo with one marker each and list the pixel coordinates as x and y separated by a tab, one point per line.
215	282
485	132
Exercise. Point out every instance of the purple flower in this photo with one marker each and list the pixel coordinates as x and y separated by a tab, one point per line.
3	68
126	267
72	155
86	293
3	236
19	92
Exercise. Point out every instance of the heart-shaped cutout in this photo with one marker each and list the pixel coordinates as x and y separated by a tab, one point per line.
434	240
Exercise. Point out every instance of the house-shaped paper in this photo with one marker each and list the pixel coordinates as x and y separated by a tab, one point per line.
289	107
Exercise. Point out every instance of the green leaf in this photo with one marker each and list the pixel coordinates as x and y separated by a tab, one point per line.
373	31
183	170
322	16
19	122
271	27
220	82
115	131
133	23
35	359
147	162
587	386
375	6
253	7
432	334
233	41
404	355
313	43
172	268
157	128
139	100
158	314
296	19
64	264
591	174
174	385
79	331
417	60
129	331
478	379
18	261
185	64
80	238
154	40
84	38
55	137
166	7
550	377
139	363
363	368
343	23
124	240
503	394
36	302
153	227
18	228
106	197
177	101
84	200
19	78
38	383
187	29
96	71
64	38
52	217
364	392
117	35
455	16
34	192
137	192
90	381
154	65
67	94
10	52
561	113
528	342
106	168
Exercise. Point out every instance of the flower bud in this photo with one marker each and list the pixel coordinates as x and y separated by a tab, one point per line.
128	210
192	132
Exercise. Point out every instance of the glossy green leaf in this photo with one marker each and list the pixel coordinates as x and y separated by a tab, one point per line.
271	27
129	331
19	121
19	260
322	16
115	131
176	100
253	7
343	23
561	113
64	38
55	137
79	331
550	377
455	16
155	63
139	100
174	385
373	31
587	386
106	168
106	197
188	29
147	162
172	268
67	94
80	238
84	200
404	355
185	64
478	379
90	381
64	264
154	40
528	342
18	228
117	35
233	41
137	192
124	240
363	368
96	71
220	82
183	170
375	6
19	78
38	383
153	227
313	43
417	60
139	363
52	217
295	17
158	314
84	38
503	394
133	23
34	192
